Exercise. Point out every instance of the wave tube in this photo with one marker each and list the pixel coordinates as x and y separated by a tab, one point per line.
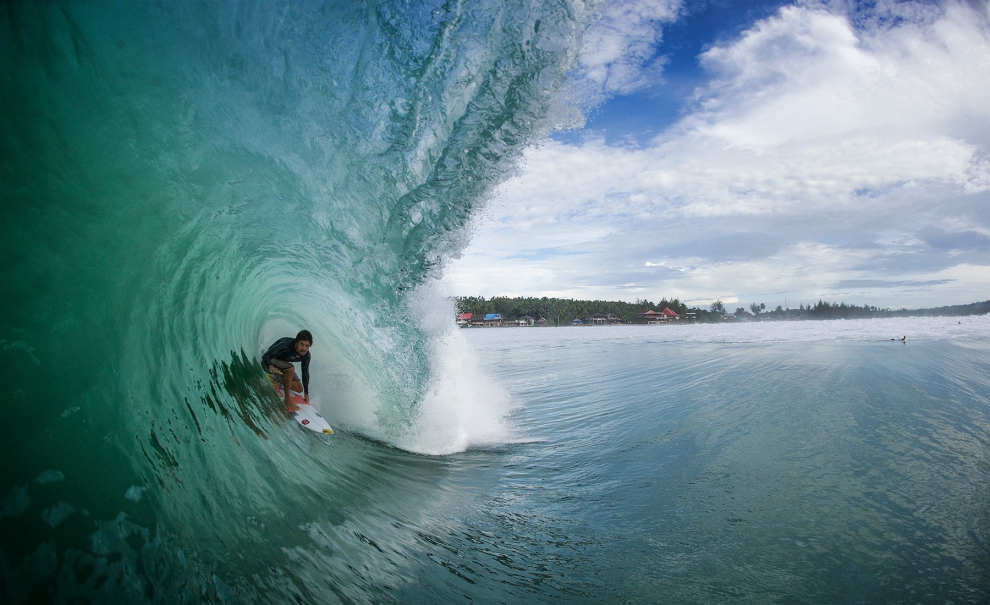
182	184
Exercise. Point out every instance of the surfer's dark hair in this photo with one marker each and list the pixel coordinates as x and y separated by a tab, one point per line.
305	335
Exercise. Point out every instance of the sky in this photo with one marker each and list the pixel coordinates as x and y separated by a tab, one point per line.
781	153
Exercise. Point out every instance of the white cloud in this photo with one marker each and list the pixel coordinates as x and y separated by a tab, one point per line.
819	156
617	56
806	74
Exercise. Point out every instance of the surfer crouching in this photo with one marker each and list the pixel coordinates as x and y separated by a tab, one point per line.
278	362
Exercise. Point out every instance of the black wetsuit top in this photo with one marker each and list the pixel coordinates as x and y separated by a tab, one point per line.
285	349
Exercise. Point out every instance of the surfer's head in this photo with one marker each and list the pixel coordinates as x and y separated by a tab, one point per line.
304	340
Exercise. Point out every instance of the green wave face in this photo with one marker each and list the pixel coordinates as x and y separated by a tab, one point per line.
182	184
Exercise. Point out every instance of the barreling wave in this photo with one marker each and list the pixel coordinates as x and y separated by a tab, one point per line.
185	182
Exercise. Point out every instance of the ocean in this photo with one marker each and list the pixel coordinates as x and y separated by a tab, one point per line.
789	462
799	462
184	183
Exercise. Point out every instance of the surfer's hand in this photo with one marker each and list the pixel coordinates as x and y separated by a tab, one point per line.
306	397
274	370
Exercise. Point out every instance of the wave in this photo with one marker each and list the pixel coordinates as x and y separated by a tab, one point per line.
185	183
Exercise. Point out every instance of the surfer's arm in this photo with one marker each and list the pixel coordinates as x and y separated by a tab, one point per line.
305	374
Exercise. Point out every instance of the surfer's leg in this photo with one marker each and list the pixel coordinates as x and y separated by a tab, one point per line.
287	375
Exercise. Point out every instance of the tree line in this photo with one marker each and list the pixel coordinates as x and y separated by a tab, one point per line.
829	310
561	311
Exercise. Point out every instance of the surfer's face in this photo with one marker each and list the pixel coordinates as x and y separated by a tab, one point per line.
302	346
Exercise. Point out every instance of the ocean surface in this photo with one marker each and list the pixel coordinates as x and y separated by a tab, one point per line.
184	183
799	462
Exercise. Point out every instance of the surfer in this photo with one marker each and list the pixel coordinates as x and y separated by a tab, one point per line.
278	362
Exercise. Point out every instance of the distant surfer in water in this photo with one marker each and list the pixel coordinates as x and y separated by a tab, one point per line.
278	362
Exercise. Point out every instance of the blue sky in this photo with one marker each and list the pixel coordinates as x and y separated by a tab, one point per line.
757	152
644	114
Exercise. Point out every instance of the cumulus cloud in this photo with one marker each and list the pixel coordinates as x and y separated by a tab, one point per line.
619	51
807	74
831	154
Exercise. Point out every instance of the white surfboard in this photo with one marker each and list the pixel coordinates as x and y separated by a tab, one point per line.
309	418
306	415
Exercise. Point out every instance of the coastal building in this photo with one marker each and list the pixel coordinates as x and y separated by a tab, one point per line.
492	320
653	318
600	319
541	322
464	320
657	318
525	320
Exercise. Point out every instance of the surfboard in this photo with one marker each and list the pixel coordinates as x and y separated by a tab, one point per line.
306	415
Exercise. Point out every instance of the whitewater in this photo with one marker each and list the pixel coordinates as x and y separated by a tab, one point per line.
185	183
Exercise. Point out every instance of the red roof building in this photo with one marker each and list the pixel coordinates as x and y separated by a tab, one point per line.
659	317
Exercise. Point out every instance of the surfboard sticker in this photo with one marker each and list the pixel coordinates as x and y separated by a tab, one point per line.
306	415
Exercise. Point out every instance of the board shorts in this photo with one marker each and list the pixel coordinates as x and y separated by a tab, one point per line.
282	365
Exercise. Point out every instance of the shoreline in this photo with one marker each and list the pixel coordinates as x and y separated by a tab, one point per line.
725	322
